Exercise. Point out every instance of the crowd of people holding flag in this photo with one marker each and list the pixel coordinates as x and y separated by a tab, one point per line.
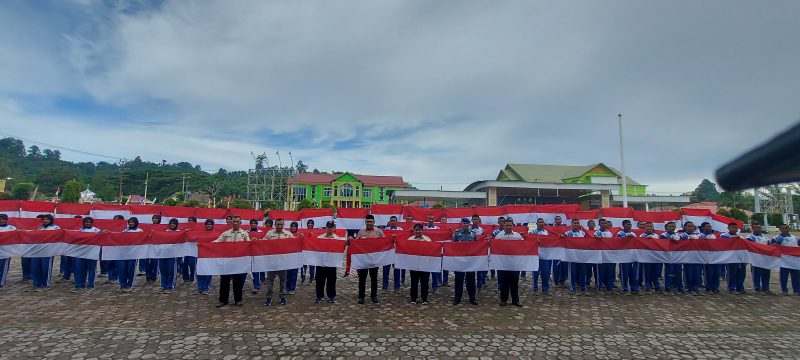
506	252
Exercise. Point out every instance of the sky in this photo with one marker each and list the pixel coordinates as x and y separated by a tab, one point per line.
443	93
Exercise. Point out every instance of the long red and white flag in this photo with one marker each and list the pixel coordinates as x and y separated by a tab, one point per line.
418	255
50	243
466	256
170	244
224	258
514	255
370	253
323	252
125	246
277	254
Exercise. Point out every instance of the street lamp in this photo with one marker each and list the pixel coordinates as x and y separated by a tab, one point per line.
622	165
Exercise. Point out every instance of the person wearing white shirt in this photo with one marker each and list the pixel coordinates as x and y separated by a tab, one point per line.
544	265
787	239
326	275
629	271
42	267
168	267
419	279
577	271
277	233
234	234
653	270
673	273
429	225
692	272
509	280
4	262
605	271
712	271
760	275
85	269
736	271
126	269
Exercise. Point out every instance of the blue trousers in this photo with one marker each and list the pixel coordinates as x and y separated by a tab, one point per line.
258	277
560	271
169	271
151	269
545	267
692	272
630	276
436	279
607	273
445	277
760	278
577	276
189	269
127	271
712	272
673	277
652	272
27	272
42	271
291	279
309	270
784	277
736	275
204	282
387	270
65	267
481	279
85	272
4	263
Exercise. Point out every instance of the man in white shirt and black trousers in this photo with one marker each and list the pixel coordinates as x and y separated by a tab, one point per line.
510	279
234	234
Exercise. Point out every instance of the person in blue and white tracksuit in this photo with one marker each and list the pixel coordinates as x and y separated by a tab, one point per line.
651	271
85	269
787	239
736	271
126	269
544	265
673	273
760	275
168	267
4	262
577	271
258	277
691	271
606	271
42	267
629	271
398	274
203	281
712	271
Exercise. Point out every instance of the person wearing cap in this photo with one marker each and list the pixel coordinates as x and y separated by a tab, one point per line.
234	234
509	280
326	275
368	232
460	235
4	262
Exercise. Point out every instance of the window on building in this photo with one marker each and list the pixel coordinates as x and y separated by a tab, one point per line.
367	193
313	191
381	193
346	190
365	205
327	191
299	193
358	191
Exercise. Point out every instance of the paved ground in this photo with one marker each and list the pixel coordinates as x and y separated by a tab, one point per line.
146	324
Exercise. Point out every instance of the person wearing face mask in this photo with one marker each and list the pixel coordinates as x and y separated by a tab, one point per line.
127	268
203	281
4	262
42	267
85	269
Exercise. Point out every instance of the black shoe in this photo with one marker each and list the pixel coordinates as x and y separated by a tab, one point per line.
219	305
332	300
456	302
238	303
375	300
516	304
317	300
282	301
361	301
503	303
474	302
268	302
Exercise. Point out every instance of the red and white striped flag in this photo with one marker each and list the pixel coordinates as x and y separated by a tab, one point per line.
125	246
351	219
319	216
170	244
277	254
224	258
384	212
370	253
514	255
790	257
323	252
764	256
466	256
418	255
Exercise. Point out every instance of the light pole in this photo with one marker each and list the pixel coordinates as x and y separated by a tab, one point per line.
622	165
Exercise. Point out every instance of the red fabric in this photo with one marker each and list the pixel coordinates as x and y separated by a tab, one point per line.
246	213
223	249
437	235
9	205
421	214
203	236
73	209
616	212
168	212
366	246
556	208
458	213
287	216
492	210
419	248
211	213
656	216
519	209
124	239
25	223
312	233
312	213
352	213
68	223
726	220
112	207
323	245
145	209
110	225
387	209
696	212
168	237
582	215
277	246
38	206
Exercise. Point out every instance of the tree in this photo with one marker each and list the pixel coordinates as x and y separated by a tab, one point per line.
241	204
305	204
170	202
34	152
23	191
72	192
5	195
12	147
437	206
706	191
738	214
191	203
301	168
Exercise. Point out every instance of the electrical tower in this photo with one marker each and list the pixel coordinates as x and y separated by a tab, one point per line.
268	183
776	199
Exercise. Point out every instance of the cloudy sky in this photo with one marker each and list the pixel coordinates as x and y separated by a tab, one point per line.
441	92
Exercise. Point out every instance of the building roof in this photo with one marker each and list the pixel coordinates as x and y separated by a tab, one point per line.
710	205
539	173
367	180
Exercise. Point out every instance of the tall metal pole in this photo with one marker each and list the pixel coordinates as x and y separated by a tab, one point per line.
146	179
622	165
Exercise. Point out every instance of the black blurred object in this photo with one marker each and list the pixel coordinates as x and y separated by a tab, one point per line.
774	162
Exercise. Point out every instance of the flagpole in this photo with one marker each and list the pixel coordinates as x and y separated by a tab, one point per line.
622	165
